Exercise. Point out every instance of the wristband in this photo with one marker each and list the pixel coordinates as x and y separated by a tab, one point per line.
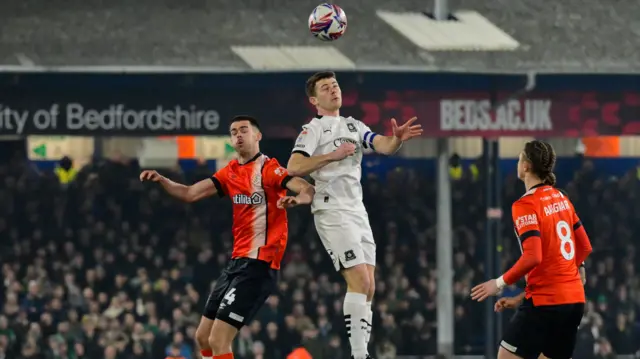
500	282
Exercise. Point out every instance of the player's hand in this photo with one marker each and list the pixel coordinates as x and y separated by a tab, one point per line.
506	303
345	150
287	202
484	290
583	275
406	131
150	175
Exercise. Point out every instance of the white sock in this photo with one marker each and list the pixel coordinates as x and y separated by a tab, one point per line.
370	324
355	315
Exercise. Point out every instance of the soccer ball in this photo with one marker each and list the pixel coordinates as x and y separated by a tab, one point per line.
328	22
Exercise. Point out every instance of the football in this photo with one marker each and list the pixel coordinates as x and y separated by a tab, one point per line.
328	22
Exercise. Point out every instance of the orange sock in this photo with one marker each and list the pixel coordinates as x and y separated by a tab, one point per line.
224	356
206	354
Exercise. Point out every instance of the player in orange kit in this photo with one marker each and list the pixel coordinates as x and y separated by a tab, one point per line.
554	245
257	186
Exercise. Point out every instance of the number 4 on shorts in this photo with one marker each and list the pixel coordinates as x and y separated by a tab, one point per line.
230	297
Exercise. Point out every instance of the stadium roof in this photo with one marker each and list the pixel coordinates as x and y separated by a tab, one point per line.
567	35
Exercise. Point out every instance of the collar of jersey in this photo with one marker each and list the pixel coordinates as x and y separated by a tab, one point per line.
536	186
320	117
251	160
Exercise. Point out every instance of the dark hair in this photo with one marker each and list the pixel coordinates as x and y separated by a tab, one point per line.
543	159
252	120
310	86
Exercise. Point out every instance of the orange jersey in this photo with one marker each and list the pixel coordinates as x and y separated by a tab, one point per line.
554	244
259	229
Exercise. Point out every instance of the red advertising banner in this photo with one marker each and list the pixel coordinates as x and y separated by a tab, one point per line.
565	114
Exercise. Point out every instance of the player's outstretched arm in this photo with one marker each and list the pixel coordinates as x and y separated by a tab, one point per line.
304	190
195	192
301	164
389	145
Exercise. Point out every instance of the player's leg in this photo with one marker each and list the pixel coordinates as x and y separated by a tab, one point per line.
202	337
342	241
209	314
356	311
563	330
252	282
524	337
221	338
369	251
372	289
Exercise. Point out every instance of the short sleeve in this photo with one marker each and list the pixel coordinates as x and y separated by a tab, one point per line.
274	175
307	141
366	136
525	220
219	180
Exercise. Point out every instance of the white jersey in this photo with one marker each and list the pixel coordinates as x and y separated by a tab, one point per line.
338	183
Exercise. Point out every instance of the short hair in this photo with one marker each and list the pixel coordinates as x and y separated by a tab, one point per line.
252	120
543	160
310	86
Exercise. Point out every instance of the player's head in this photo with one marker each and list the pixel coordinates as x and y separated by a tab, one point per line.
324	91
537	160
245	134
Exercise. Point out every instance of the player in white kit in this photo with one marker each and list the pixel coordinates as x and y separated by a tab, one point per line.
330	148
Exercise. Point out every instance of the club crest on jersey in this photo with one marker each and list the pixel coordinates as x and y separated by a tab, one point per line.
254	199
526	220
352	127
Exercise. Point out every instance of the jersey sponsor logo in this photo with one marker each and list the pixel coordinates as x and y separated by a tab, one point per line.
556	207
352	127
299	145
338	141
526	220
254	199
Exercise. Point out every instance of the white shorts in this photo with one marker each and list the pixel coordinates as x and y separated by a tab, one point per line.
347	237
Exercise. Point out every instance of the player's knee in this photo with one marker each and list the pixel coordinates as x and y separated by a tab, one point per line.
358	279
219	344
372	289
221	337
202	338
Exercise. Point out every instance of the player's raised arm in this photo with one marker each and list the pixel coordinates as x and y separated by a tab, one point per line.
303	162
389	145
195	192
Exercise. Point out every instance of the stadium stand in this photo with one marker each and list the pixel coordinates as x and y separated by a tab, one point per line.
106	266
556	37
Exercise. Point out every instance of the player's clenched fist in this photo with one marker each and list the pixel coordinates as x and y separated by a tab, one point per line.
345	150
506	303
150	175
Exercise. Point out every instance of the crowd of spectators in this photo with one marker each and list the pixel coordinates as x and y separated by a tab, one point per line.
105	266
